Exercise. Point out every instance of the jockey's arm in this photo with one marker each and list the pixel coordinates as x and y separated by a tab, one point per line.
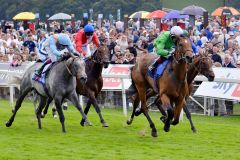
53	47
95	40
159	44
78	42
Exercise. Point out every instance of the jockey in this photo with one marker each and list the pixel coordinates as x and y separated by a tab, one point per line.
164	45
42	54
83	38
53	46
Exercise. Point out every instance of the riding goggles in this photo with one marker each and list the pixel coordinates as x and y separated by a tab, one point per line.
89	33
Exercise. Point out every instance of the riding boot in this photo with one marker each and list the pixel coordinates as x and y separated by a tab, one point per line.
39	71
155	64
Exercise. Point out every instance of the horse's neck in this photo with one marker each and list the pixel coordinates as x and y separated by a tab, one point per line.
180	71
63	68
192	72
95	68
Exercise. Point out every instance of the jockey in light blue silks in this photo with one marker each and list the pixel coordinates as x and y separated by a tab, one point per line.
52	47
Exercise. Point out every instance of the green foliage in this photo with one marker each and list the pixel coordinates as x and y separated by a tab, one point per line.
217	137
77	7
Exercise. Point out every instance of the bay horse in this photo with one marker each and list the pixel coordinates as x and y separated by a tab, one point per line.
202	64
94	83
60	84
171	86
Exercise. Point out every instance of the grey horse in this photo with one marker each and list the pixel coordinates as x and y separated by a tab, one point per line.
60	84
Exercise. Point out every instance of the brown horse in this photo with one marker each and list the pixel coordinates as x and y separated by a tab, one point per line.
172	85
94	84
202	64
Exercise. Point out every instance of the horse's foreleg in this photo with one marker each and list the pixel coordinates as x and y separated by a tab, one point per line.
163	118
136	101
19	101
58	104
189	117
88	105
166	104
177	111
74	99
42	103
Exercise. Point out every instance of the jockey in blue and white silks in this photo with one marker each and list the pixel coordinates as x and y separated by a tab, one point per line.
52	46
42	53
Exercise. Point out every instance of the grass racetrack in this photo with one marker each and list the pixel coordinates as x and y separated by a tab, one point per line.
217	137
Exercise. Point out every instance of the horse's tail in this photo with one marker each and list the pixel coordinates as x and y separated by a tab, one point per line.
132	89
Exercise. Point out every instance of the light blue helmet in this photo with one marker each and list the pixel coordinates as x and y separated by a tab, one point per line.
64	39
88	28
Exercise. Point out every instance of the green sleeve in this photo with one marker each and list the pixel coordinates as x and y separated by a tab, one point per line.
159	45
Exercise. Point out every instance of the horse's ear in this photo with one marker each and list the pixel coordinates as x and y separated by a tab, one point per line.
175	39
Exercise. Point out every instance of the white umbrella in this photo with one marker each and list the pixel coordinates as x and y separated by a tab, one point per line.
60	16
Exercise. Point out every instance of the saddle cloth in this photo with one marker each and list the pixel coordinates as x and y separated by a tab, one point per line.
158	71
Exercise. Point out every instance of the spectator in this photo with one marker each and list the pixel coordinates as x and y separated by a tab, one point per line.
131	48
227	61
215	56
129	57
30	44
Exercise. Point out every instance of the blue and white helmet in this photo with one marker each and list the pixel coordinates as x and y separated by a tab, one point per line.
64	39
88	28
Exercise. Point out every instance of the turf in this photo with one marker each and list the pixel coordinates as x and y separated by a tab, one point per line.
217	137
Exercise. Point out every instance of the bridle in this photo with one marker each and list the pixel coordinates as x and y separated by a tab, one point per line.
70	65
183	56
97	59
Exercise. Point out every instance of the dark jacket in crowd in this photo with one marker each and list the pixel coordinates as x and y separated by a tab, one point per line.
216	58
230	65
133	51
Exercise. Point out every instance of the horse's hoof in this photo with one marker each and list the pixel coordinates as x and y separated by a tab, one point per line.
194	130
82	122
166	128
65	107
129	122
8	124
104	124
163	119
175	122
154	134
42	115
64	131
87	123
137	112
13	111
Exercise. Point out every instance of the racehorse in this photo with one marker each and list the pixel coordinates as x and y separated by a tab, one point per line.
202	64
60	83
94	84
171	86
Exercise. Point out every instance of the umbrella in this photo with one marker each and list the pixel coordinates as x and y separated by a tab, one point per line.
174	14
156	14
225	11
193	10
24	16
60	16
139	14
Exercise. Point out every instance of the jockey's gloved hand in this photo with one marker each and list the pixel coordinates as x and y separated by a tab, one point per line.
171	51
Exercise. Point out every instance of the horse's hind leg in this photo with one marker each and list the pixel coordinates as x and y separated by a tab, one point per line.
39	110
136	101
46	107
189	117
88	105
96	106
144	108
74	99
19	101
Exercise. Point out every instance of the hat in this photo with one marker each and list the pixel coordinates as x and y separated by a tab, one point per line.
231	33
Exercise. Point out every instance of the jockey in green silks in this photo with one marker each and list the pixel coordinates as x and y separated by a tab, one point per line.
164	45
